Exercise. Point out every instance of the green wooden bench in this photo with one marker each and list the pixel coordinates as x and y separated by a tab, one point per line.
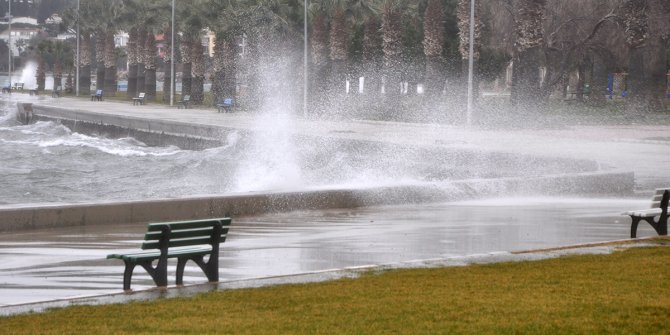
184	240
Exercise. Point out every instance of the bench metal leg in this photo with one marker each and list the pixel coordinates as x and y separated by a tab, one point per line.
127	275
158	273
181	263
210	268
661	227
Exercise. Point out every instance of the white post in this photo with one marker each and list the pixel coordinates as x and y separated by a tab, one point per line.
304	102
77	60
471	61
172	81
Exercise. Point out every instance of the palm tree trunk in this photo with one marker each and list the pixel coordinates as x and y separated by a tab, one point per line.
110	65
85	64
58	75
433	42
41	74
150	66
167	68
100	60
132	63
371	68
223	82
230	66
141	71
392	46
198	72
338	53
185	50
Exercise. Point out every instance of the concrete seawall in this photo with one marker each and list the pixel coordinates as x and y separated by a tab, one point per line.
152	132
140	212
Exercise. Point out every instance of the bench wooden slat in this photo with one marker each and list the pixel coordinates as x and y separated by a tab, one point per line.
183	242
645	212
156	235
151	255
176	225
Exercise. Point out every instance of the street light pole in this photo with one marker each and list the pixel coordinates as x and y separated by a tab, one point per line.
9	45
304	102
77	61
471	62
172	79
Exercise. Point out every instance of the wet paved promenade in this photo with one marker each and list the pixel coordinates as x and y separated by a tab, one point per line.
69	262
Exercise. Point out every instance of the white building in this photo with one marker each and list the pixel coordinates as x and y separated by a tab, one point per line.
23	28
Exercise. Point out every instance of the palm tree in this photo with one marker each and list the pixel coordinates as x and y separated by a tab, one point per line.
145	18
274	35
339	34
226	20
42	54
193	16
345	13
60	54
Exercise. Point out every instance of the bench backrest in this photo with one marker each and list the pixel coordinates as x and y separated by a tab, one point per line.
186	233
98	93
228	102
658	197
141	96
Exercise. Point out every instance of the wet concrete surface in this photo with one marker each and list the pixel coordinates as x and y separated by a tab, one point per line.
67	263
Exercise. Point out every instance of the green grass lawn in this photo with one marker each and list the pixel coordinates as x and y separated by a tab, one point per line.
627	292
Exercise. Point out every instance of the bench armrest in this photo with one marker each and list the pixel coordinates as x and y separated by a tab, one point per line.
645	212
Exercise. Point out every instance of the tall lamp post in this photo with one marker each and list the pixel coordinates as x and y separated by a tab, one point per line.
172	79
9	44
304	101
471	62
77	60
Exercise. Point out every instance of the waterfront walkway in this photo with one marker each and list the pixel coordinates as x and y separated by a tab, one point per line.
48	265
